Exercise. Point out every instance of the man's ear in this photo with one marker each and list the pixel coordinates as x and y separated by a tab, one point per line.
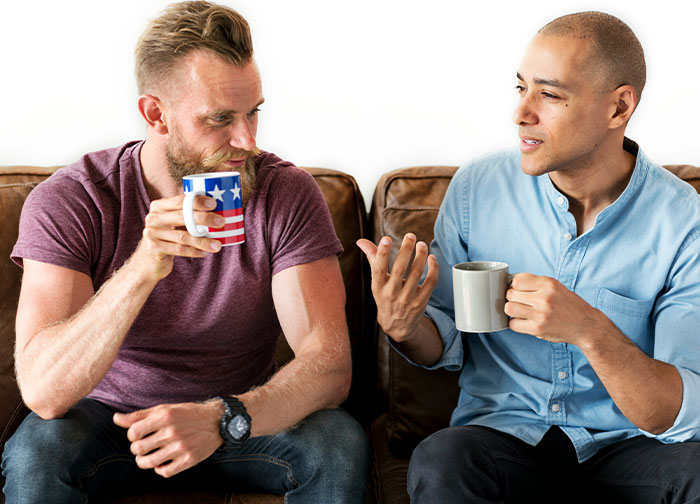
624	103
152	110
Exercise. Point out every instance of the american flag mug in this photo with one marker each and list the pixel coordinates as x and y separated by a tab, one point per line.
225	188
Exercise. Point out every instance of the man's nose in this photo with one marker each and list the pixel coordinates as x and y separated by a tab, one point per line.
524	112
243	136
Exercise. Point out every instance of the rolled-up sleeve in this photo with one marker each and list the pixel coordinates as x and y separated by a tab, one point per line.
677	337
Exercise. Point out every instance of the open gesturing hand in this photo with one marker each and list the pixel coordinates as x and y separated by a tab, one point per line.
401	302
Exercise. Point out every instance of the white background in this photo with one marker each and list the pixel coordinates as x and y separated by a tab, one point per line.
362	86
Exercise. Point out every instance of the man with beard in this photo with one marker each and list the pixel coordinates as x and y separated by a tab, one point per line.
147	355
593	392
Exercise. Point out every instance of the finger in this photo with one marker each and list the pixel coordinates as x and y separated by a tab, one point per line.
202	203
175	218
430	281
144	426
417	268
126	420
518	310
159	457
156	440
528	298
380	263
522	326
175	466
179	242
398	270
525	282
369	249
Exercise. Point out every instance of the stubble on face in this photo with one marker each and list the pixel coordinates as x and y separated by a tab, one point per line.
569	121
183	160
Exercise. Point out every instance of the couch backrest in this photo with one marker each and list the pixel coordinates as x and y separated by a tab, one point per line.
419	402
15	184
347	209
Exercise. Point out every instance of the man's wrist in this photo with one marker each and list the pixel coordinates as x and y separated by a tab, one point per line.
235	423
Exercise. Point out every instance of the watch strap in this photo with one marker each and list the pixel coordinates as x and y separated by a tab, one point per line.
232	408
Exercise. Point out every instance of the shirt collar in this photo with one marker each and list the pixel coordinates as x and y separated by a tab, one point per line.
641	168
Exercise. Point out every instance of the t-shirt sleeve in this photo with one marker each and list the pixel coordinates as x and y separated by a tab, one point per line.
57	225
300	225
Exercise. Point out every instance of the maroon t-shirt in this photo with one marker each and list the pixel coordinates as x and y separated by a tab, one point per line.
210	327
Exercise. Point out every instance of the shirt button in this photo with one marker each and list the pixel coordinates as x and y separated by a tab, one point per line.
567	236
561	200
556	407
562	375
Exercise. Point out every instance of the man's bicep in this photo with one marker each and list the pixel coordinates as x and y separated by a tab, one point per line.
48	295
310	304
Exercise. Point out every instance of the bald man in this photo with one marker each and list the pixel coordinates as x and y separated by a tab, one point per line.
593	392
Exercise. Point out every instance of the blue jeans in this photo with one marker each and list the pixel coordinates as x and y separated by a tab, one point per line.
326	458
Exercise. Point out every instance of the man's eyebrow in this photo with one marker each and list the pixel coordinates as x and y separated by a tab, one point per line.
547	82
230	111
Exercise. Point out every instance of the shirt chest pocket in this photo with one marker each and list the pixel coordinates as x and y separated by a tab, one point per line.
631	316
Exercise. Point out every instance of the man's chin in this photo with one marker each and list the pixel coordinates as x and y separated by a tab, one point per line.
532	169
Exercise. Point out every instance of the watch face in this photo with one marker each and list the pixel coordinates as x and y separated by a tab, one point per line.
238	426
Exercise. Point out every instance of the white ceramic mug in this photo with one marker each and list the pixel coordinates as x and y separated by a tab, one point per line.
480	295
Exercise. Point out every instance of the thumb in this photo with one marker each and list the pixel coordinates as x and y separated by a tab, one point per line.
126	420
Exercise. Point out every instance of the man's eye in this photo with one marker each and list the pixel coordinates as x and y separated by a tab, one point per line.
221	118
519	88
254	111
549	95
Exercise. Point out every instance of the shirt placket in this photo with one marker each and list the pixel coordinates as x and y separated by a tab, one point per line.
572	251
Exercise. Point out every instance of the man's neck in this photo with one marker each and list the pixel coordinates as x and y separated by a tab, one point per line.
597	185
154	168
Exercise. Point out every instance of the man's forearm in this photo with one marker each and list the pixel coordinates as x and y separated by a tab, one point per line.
308	383
63	362
424	346
647	391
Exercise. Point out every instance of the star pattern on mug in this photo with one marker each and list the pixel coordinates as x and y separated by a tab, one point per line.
217	193
236	192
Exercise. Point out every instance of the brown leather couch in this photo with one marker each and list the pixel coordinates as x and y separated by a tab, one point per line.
414	402
398	403
349	217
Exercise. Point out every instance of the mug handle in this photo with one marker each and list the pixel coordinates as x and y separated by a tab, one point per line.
188	214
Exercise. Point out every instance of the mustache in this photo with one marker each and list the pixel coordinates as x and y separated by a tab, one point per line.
221	157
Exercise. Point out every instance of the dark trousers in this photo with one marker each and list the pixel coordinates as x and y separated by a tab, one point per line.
473	464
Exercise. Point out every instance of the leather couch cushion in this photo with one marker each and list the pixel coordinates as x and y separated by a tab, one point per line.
15	185
389	477
349	215
418	401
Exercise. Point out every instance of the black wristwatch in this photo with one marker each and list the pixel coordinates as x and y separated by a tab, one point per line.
234	425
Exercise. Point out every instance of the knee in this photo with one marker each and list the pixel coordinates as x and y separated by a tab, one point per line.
444	457
337	440
431	461
37	446
47	447
336	448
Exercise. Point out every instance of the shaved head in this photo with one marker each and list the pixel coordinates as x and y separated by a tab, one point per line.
616	56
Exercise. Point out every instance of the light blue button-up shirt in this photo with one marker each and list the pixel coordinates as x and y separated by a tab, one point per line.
639	264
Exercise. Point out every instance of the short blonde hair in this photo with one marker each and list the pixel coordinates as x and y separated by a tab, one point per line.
184	27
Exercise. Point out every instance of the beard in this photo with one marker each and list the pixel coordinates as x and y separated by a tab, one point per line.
185	160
